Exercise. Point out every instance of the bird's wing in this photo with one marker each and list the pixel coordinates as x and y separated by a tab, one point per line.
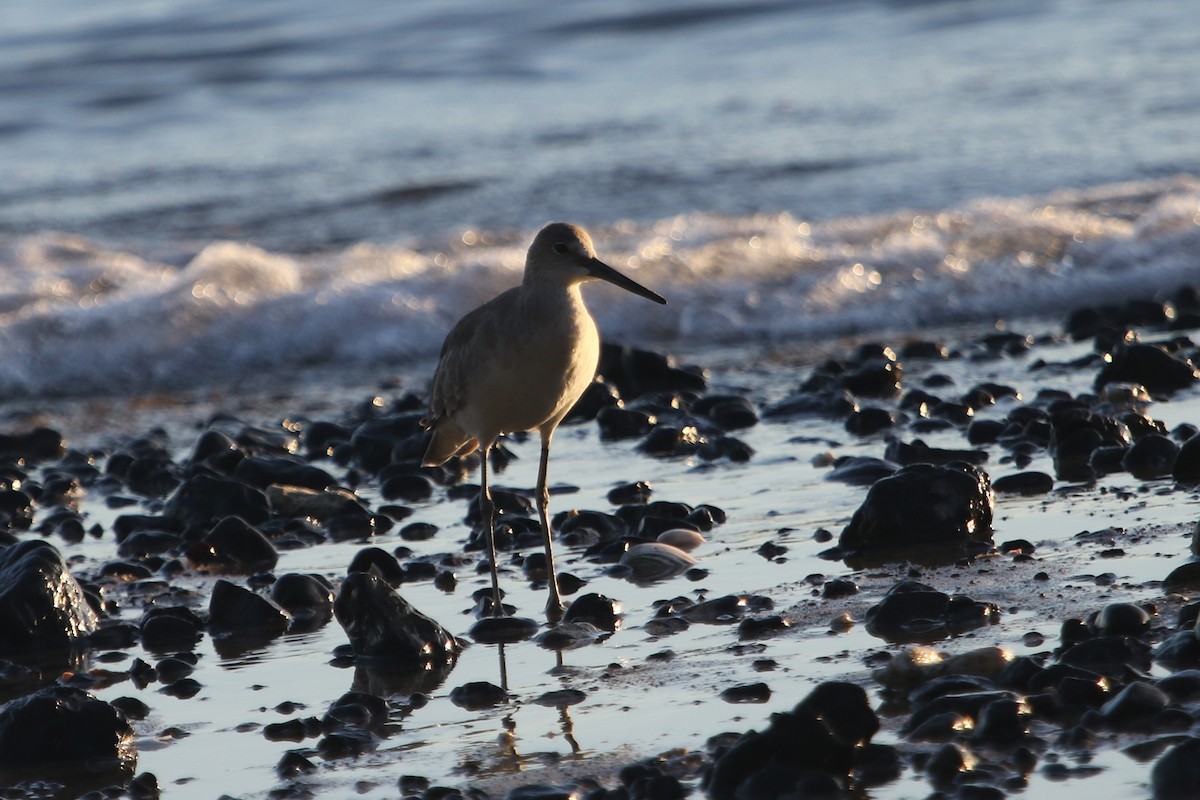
464	351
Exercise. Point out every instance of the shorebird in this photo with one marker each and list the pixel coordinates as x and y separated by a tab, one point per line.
518	363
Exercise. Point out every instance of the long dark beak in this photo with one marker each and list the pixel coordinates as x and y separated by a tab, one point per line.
606	273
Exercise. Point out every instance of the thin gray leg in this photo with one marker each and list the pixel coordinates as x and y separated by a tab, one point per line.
487	510
554	606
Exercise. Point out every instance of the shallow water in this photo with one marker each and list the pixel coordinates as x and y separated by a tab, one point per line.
779	497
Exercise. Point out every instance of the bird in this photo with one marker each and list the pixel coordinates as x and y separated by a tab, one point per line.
519	362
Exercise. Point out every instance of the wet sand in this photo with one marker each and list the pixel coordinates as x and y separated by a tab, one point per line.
643	694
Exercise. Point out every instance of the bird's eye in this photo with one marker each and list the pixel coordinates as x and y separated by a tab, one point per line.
560	248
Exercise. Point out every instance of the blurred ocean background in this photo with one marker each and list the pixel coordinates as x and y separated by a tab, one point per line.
190	192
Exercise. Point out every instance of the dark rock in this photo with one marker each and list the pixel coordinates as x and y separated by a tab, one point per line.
1176	775
1111	656
1135	706
383	626
600	610
42	607
861	470
203	500
237	612
1122	619
1076	432
478	695
1150	457
263	471
1187	461
922	504
1180	651
830	403
377	442
618	423
670	441
418	531
636	372
823	736
1023	483
914	612
65	732
838	587
411	488
1185	576
1150	365
170	628
308	599
503	630
1002	723
234	546
868	420
747	693
638	493
917	452
727	411
380	561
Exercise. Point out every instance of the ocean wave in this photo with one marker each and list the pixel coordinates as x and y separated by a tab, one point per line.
79	317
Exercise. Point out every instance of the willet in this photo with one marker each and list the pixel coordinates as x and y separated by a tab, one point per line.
519	362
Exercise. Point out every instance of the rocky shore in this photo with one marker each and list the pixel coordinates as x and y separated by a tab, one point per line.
123	561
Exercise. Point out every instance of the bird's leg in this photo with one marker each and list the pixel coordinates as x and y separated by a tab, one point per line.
554	606
487	510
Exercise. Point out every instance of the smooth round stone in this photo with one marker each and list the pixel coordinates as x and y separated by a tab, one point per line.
477	695
503	630
747	693
682	538
1122	619
1135	705
655	561
1176	776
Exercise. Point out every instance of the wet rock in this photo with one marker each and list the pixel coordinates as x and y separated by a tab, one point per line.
917	452
914	612
308	599
637	492
1121	619
670	441
503	630
1187	461
922	504
636	372
64	732
170	628
1135	706
264	471
296	501
727	411
597	609
381	625
234	546
869	420
824	735
42	607
1077	432
1185	576
1002	723
379	561
1176	775
617	423
654	561
1150	365
478	695
1023	483
237	612
410	488
380	441
829	403
861	470
203	500
1151	456
1111	656
747	693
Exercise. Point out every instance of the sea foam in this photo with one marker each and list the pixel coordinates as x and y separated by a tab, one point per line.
79	317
